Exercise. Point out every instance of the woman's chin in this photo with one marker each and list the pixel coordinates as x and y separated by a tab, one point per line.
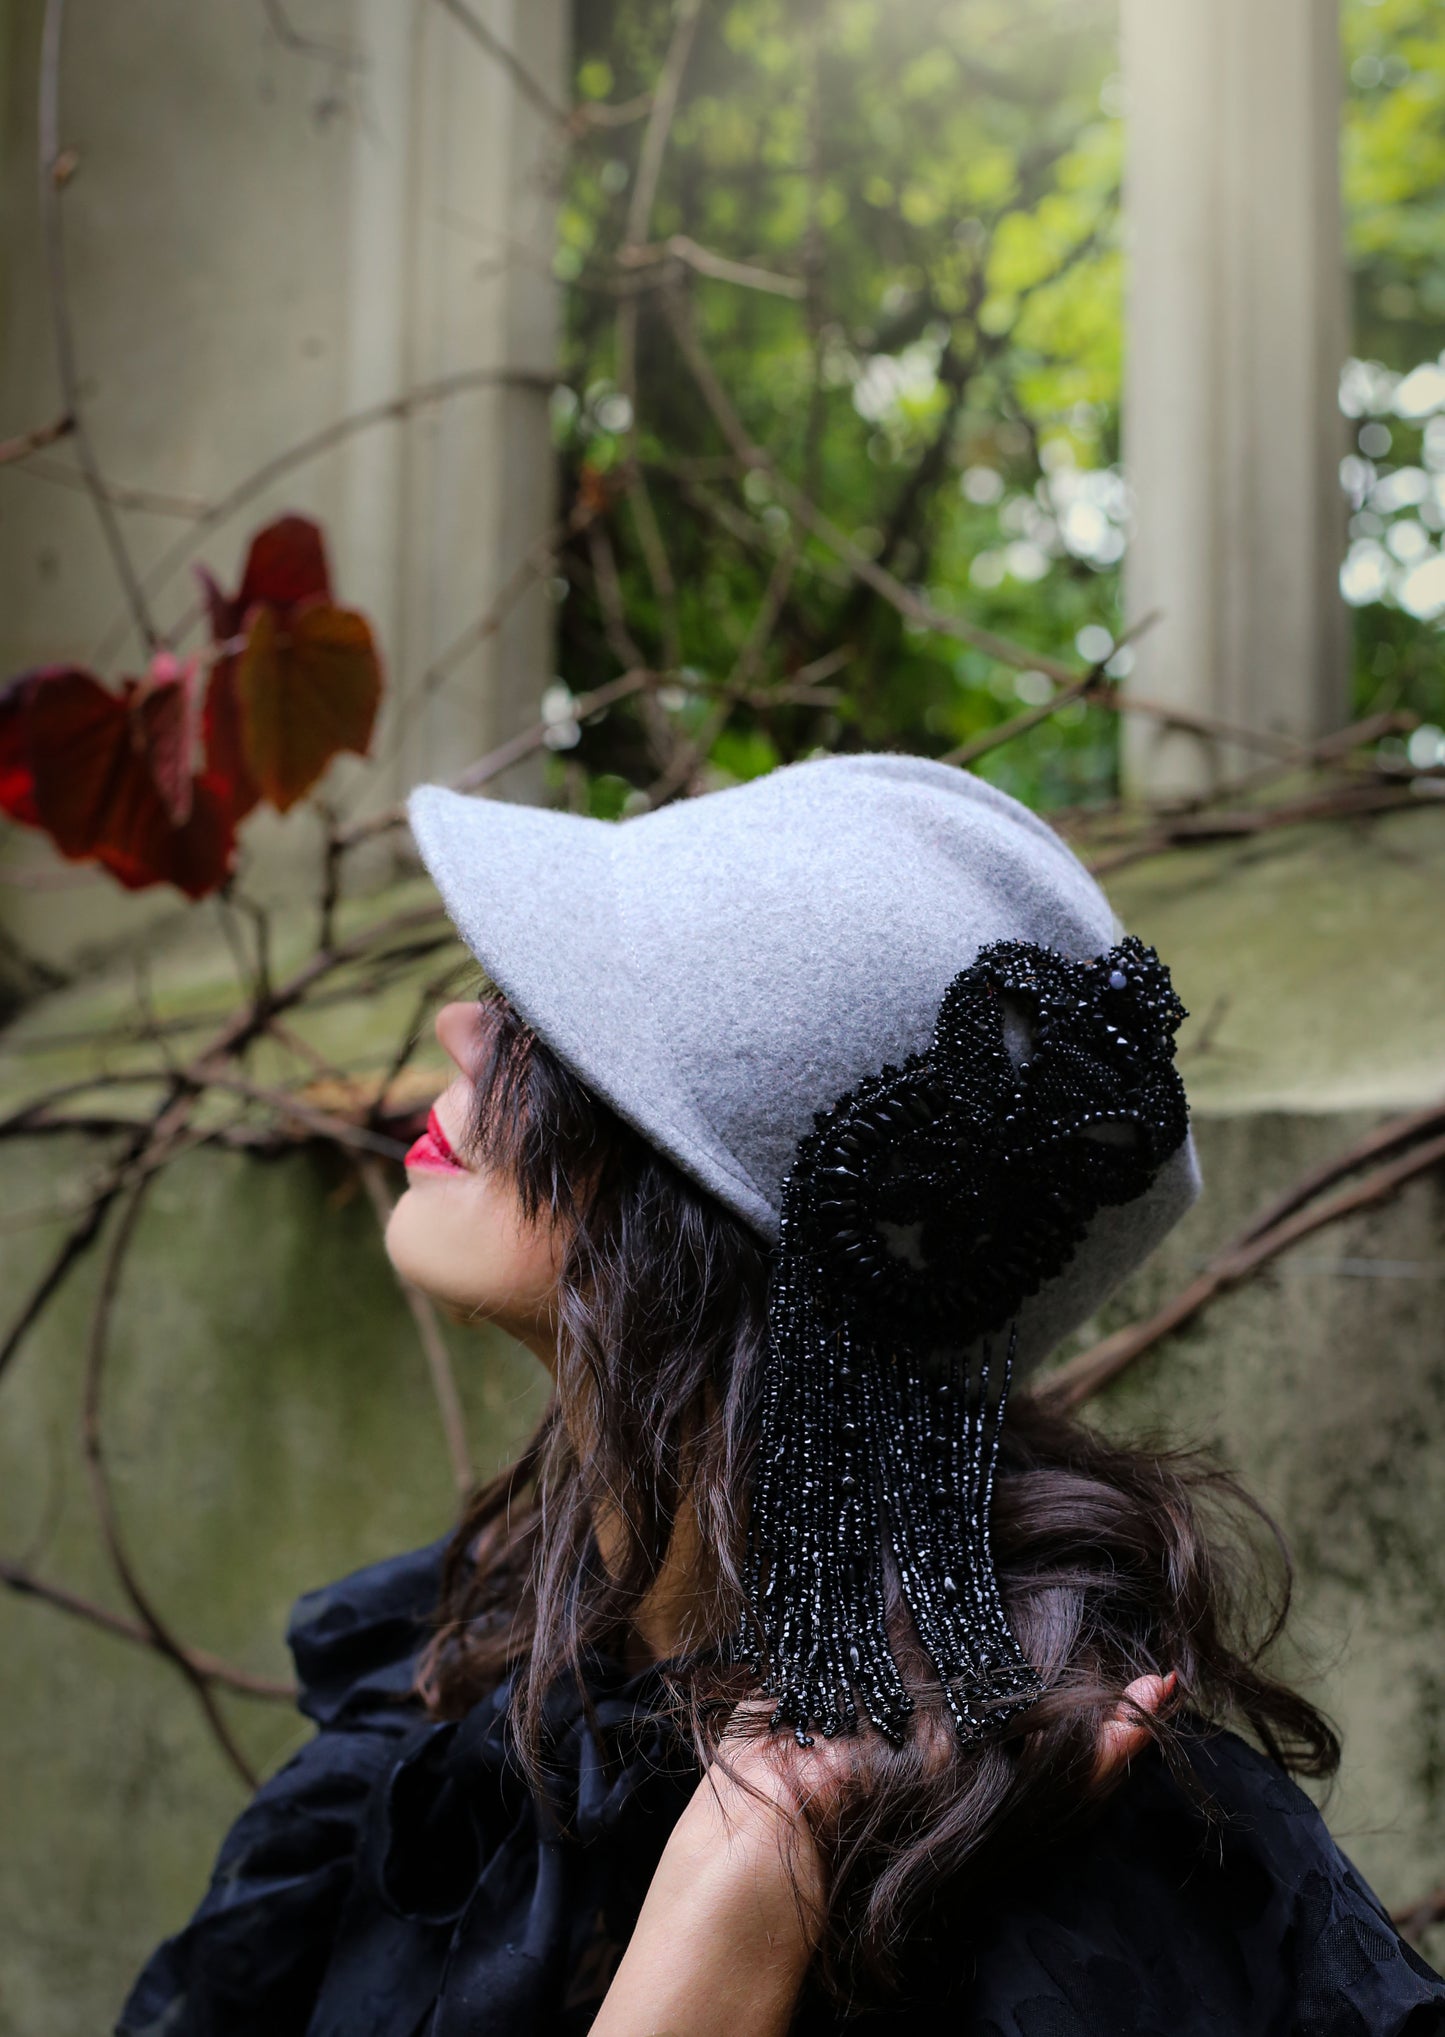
411	1241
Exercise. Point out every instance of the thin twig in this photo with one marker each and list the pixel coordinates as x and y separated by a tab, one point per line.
433	1344
322	1124
681	248
1348	802
507	754
72	1249
1292	752
659	122
28	442
911	606
535	93
611	600
691	753
539	559
1085	1375
244	1682
150	501
92	1449
636	233
393	409
53	232
611	112
1092	687
415	1030
344	58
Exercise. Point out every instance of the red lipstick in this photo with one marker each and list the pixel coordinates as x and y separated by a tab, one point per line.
432	1152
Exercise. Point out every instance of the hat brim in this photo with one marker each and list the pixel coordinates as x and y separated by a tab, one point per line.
532	893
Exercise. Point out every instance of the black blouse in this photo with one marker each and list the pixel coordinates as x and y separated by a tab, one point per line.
398	1879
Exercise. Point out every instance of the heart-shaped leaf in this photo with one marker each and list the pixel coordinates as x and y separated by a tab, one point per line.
75	760
225	743
286	565
167	709
307	684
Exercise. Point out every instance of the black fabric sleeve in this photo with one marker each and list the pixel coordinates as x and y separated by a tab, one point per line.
253	1956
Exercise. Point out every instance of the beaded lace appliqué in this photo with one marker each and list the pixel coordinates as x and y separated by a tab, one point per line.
921	1212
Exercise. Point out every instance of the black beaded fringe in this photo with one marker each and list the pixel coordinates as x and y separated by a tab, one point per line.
921	1212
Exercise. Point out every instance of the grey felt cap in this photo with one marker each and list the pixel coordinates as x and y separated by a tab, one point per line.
721	969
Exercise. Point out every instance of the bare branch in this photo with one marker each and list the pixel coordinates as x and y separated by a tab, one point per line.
322	1124
620	640
1091	687
539	559
28	442
507	754
635	235
92	1448
73	1248
659	122
411	1038
1085	1375
1392	1137
691	754
707	262
26	1584
611	113
149	501
1341	803
908	604
393	409
531	90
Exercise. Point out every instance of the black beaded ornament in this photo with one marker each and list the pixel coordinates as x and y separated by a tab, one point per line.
920	1213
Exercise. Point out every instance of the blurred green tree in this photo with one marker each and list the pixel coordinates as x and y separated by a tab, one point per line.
1394	390
894	235
897	232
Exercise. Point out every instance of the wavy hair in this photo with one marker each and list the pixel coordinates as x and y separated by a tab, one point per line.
1114	1562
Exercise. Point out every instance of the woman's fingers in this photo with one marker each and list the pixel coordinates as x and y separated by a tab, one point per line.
1124	1735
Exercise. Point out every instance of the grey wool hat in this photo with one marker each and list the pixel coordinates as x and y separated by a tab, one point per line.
722	970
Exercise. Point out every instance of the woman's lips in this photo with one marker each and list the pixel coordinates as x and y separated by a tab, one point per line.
432	1152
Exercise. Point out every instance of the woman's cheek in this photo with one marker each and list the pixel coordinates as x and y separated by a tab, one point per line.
468	1246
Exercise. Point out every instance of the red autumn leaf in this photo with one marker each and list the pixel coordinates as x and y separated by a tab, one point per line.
17	780
87	756
225	743
304	684
167	709
307	684
285	565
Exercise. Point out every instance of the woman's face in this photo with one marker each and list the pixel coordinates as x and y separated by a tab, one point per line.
459	1232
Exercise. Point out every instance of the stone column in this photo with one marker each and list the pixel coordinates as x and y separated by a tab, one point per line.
1236	332
267	238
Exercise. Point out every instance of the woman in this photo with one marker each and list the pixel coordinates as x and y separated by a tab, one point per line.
785	1682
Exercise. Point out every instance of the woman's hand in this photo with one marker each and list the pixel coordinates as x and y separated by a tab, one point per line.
728	1928
733	1912
1126	1734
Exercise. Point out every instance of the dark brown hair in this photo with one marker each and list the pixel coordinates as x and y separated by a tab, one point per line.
1114	1562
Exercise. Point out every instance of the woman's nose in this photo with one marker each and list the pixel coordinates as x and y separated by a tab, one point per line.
459	1031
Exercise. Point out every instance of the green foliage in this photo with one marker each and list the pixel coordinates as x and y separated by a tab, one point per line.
938	187
924	332
1394	179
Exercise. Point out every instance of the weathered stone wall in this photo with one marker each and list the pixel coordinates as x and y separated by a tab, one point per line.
271	1424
